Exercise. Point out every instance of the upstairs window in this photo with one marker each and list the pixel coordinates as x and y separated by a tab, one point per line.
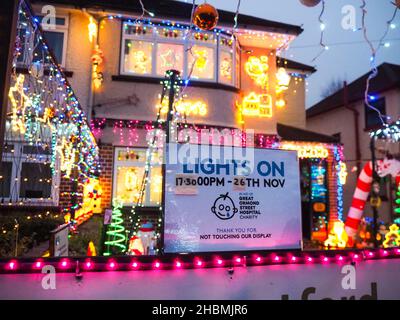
149	51
56	37
372	119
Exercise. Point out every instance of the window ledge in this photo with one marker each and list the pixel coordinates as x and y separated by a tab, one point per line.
192	83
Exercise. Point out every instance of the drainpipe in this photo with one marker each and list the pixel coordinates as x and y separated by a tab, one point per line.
356	116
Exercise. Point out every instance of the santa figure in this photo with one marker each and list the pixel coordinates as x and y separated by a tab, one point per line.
135	246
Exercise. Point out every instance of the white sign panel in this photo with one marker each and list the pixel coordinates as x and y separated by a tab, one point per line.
60	241
227	198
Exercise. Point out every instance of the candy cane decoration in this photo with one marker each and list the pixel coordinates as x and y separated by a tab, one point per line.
384	167
359	199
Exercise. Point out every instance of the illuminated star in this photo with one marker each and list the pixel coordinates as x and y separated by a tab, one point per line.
169	59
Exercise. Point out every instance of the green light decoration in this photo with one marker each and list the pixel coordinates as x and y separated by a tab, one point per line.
116	239
397	209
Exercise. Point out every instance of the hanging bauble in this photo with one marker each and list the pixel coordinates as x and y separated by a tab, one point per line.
397	4
205	16
312	3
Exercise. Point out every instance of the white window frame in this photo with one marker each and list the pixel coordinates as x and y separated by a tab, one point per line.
231	51
17	158
61	29
155	39
155	54
129	163
209	45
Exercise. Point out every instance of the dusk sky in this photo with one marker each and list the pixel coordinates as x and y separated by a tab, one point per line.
348	55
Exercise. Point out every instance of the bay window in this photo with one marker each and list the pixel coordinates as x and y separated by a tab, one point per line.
149	51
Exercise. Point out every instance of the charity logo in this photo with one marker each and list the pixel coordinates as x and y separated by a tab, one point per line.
224	207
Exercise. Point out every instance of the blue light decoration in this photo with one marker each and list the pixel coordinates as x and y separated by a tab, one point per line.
319	193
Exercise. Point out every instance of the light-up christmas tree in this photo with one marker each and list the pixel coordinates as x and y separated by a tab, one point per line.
116	239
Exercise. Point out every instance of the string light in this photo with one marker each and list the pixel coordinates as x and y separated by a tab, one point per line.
92	28
62	115
256	105
374	51
305	150
322	27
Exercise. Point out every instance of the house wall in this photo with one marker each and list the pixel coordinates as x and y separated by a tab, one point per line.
111	100
78	56
341	121
222	103
293	114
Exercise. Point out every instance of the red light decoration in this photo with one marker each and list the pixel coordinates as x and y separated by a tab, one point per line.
219	262
397	251
309	259
385	253
38	264
157	265
238	260
178	264
293	259
258	259
325	259
370	254
135	265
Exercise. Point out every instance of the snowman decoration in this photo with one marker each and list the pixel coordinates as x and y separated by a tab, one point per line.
147	236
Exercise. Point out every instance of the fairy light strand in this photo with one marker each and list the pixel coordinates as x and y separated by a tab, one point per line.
322	27
374	51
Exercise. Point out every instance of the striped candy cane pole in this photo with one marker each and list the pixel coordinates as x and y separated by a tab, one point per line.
359	199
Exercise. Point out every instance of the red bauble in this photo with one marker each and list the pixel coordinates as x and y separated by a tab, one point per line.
312	3
205	16
398	4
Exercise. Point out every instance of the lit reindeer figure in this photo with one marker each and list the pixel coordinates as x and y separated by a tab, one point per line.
388	166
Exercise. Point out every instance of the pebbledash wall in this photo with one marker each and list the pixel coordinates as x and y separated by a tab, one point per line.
340	120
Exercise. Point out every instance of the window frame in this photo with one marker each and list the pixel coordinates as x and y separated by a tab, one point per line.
60	29
232	51
131	164
17	158
156	39
368	111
